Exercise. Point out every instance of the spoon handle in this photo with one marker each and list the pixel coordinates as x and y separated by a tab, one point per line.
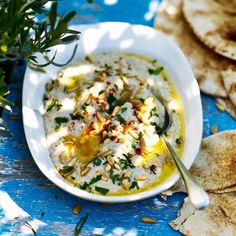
198	197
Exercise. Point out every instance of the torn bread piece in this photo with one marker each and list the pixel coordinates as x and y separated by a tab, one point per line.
218	219
229	79
213	25
206	64
215	165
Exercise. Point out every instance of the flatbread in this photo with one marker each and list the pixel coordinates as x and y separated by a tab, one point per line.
213	25
205	63
215	165
229	79
218	219
228	106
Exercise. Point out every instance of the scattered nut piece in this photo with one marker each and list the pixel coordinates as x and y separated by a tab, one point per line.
107	167
214	129
73	89
89	58
148	220
145	165
142	142
133	134
110	160
89	99
85	171
76	209
220	107
140	178
125	184
57	83
63	157
115	111
116	166
46	96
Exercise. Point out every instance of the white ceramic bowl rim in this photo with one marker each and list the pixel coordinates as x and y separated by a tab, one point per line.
114	36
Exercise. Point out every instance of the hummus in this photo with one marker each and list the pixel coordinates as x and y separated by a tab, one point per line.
103	116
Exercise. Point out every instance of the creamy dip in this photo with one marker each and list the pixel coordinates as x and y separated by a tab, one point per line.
103	116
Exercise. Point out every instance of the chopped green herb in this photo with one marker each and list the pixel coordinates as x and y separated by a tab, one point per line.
140	134
126	163
152	113
90	86
158	129
123	109
76	116
156	71
97	162
80	224
84	108
66	169
85	185
101	190
101	92
60	120
116	86
111	100
134	185
57	128
54	104
178	141
133	144
121	119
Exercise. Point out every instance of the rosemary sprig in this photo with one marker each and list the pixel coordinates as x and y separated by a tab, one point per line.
80	224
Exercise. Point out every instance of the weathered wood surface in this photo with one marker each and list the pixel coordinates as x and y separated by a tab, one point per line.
26	195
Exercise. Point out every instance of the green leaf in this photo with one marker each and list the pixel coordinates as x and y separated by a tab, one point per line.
155	71
101	190
60	120
124	109
134	185
54	104
80	224
121	119
66	169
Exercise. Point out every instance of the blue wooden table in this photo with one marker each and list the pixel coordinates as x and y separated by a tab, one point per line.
27	196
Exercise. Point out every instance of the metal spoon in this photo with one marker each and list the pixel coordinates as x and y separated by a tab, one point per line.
198	197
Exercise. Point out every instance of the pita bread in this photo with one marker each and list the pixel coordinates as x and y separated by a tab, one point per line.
213	25
228	106
205	63
215	165
229	79
217	220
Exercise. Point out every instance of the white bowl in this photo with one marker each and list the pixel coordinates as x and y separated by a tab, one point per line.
114	36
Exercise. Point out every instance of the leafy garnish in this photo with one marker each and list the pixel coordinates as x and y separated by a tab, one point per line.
77	116
80	224
101	190
152	113
85	185
123	109
101	92
54	104
60	120
133	144
126	163
134	185
97	161
178	141
140	134
66	169
155	71
121	119
158	129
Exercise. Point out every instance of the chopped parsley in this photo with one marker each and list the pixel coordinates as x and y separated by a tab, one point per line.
101	190
111	100
133	144
126	163
97	161
155	71
76	116
54	104
60	120
121	119
57	128
158	129
86	185
178	141
116	86
124	109
134	185
101	92
66	169
140	134
152	113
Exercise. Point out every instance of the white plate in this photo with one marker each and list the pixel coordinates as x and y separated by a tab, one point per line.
113	36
